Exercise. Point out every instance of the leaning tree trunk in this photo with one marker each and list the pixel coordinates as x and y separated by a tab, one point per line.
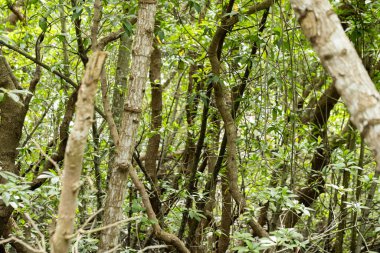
322	27
141	52
74	154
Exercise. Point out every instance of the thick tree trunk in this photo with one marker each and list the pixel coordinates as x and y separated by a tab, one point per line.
322	27
12	115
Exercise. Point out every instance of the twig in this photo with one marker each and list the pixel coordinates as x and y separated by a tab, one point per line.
102	42
153	247
59	74
91	217
26	55
107	109
47	156
36	126
113	249
82	231
26	245
34	225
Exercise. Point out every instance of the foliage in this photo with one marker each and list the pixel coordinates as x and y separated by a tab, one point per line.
289	161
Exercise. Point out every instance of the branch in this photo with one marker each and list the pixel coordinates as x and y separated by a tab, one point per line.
95	24
75	151
153	247
26	245
113	36
160	234
26	55
107	109
59	74
16	11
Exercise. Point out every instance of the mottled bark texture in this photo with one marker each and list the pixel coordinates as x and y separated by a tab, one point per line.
74	153
141	52
322	27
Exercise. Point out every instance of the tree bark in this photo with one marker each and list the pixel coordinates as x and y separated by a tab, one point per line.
322	27
226	219
141	52
74	154
152	154
214	52
12	115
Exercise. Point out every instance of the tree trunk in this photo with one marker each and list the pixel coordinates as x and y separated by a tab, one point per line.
322	27
74	154
141	52
152	154
12	116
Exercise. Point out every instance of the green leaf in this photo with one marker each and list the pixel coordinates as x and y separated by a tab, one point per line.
77	11
197	7
161	35
6	197
43	24
13	204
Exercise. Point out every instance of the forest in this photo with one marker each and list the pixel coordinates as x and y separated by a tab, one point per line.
189	126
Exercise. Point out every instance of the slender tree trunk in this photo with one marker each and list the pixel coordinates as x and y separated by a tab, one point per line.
227	219
74	154
97	163
152	154
119	90
339	243
141	52
358	187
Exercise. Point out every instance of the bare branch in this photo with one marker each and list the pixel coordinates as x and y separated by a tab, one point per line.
36	61
75	151
26	245
107	109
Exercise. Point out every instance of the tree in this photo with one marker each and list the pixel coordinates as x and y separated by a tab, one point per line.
216	127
